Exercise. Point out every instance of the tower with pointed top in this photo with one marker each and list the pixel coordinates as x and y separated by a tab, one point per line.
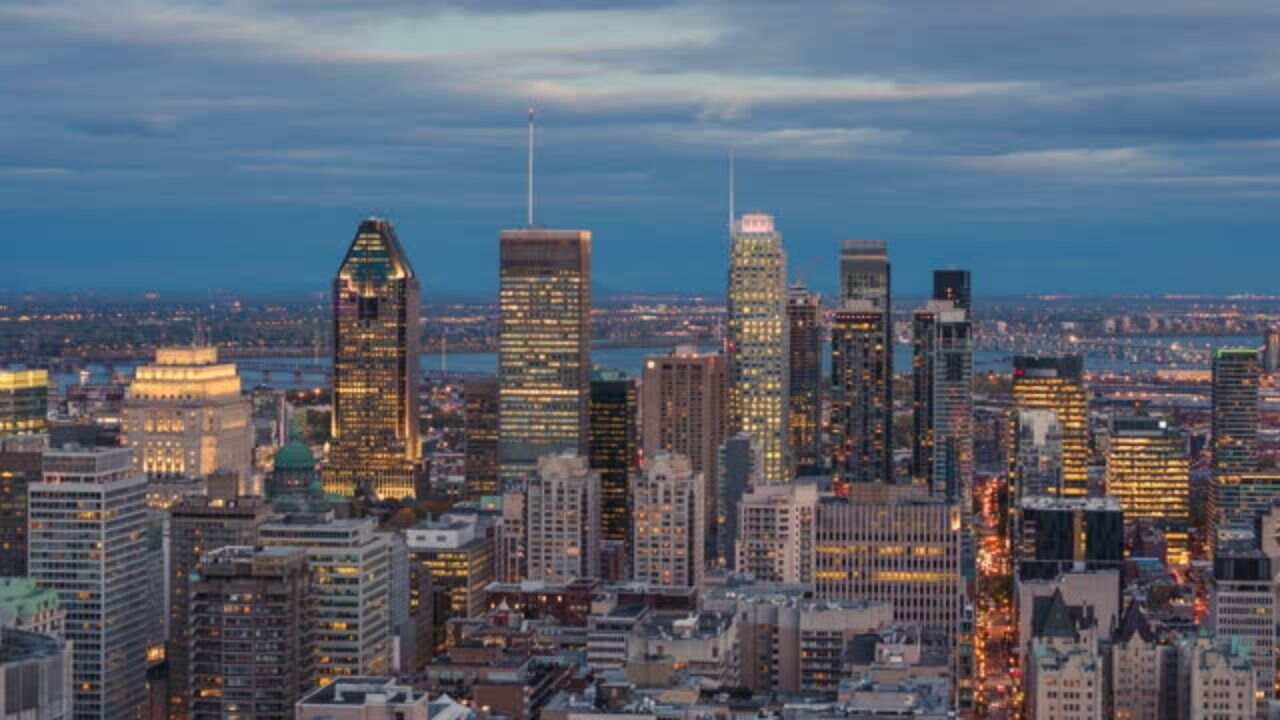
759	394
377	304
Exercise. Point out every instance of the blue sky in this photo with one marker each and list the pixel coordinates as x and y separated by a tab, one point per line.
1084	147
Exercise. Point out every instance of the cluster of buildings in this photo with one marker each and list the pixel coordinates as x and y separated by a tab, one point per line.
734	531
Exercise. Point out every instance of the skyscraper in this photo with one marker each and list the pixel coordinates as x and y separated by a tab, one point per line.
24	401
669	547
88	516
759	397
198	525
1056	535
1236	374
942	400
861	403
804	326
1149	473
1057	384
544	353
1271	351
613	449
684	410
480	426
864	273
562	520
252	634
775	541
184	416
376	337
951	400
953	285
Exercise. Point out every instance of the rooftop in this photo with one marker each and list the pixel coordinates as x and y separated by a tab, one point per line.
364	691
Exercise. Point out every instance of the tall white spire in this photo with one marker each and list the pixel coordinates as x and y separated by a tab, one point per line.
529	212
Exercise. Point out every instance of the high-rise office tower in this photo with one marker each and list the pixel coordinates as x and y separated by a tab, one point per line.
1236	374
1057	534
459	558
350	592
864	272
669	547
480	426
562	520
184	416
88	516
252	634
861	404
21	464
1149	473
888	546
613	448
942	400
198	525
684	409
1057	384
953	285
24	401
544	353
1037	455
804	326
377	304
759	397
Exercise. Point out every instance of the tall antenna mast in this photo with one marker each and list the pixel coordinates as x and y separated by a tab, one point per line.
529	214
731	191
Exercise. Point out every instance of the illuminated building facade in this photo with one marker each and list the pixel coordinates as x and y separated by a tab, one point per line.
544	347
459	557
775	533
886	546
88	517
613	448
377	305
684	409
251	635
350	564
562	520
1057	384
1236	374
942	401
669	547
480	427
865	448
184	417
24	401
1149	473
759	397
804	326
199	525
861	406
1271	351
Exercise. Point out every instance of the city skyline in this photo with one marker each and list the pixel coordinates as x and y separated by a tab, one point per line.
210	145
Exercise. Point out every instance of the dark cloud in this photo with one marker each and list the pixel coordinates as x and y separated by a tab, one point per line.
995	133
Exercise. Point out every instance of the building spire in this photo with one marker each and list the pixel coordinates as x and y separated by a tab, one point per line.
731	191
529	211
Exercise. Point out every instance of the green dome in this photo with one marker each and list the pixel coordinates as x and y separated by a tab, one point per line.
295	456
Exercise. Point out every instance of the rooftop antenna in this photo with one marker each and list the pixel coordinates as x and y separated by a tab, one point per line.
731	191
529	212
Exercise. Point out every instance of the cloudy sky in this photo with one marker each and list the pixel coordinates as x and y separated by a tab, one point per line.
1077	146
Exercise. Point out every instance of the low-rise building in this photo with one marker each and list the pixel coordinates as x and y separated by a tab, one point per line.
24	605
35	676
364	698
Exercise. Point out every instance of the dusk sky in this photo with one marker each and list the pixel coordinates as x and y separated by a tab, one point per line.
1083	147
